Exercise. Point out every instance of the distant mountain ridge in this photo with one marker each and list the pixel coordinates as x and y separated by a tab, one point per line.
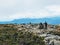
52	20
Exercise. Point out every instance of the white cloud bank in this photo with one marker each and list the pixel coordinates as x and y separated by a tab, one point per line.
16	9
49	11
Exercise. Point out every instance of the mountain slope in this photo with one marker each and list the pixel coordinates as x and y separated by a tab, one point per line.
52	20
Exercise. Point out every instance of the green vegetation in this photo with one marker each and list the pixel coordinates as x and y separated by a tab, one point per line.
9	35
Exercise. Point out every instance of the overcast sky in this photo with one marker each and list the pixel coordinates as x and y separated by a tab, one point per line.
17	9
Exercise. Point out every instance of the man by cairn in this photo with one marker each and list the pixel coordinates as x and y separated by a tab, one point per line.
45	25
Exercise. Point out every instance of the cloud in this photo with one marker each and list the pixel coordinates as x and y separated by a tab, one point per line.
54	10
49	11
17	9
7	3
